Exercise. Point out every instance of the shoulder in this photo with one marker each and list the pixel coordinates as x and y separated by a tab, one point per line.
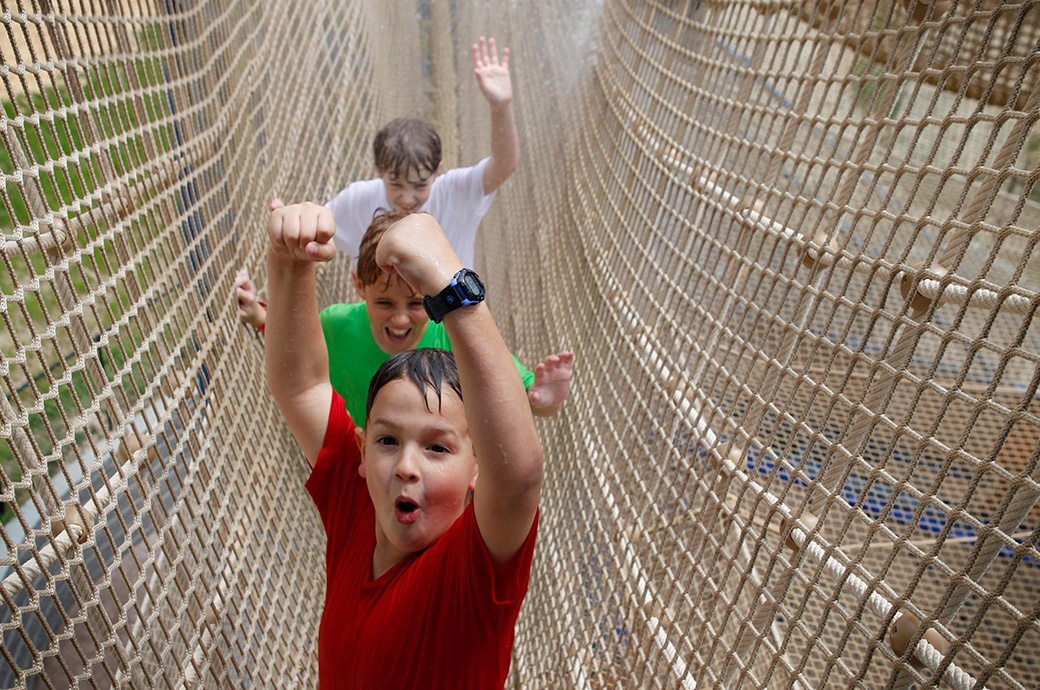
343	313
464	555
338	458
435	336
339	442
342	310
344	323
459	179
456	174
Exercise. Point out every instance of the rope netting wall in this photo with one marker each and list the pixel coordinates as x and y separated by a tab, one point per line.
793	246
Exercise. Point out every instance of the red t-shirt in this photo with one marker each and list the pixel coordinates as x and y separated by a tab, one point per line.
443	618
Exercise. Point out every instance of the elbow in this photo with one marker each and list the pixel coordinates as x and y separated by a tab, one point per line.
273	382
510	165
518	474
533	476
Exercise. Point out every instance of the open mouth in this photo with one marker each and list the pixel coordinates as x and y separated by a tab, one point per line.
406	511
397	337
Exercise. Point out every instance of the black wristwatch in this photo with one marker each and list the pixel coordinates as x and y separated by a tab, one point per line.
465	289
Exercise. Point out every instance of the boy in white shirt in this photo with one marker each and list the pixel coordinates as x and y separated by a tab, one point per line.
407	156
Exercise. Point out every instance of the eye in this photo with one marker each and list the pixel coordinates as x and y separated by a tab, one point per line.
386	441
439	449
416	304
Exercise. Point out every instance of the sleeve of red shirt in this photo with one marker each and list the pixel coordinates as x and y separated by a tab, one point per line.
512	576
335	479
262	327
509	578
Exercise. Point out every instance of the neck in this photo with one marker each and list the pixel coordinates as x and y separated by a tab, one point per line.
384	557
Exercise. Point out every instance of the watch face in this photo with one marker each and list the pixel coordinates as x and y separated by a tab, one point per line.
471	285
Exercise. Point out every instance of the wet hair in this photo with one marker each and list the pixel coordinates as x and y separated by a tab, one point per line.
367	268
427	367
407	144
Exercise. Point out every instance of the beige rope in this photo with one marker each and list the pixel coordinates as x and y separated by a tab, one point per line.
794	247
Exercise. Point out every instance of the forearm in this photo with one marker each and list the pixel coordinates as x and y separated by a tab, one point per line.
497	408
295	343
505	146
295	355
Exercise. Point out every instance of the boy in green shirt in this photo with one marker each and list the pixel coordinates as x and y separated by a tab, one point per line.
392	319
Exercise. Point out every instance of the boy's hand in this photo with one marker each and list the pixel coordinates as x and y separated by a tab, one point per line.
492	75
416	249
250	311
552	383
302	232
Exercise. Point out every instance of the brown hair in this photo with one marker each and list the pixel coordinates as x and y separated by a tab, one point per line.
367	268
427	367
407	144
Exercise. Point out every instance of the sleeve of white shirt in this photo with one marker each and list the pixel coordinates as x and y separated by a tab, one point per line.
458	203
353	209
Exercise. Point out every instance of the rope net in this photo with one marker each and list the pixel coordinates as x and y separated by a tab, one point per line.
792	243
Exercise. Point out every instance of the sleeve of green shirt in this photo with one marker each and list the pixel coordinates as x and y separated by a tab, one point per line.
526	374
436	336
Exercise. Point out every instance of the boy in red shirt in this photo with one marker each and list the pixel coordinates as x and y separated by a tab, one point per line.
423	587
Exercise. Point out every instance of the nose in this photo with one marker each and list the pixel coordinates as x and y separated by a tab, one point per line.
407	468
400	318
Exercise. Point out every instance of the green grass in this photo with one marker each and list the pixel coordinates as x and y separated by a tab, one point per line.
73	398
45	142
39	145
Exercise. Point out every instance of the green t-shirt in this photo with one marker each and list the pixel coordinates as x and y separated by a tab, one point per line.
354	355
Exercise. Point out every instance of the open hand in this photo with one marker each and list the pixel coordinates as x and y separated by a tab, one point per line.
492	73
552	383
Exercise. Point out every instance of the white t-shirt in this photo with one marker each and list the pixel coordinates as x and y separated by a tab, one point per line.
457	201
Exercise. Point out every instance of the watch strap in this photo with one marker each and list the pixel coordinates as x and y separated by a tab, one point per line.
454	295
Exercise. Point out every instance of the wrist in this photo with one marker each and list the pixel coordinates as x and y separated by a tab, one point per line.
464	289
285	263
435	285
501	107
258	316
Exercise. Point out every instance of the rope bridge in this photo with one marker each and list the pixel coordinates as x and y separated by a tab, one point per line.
792	243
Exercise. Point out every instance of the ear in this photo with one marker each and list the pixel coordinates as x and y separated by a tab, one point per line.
359	436
473	479
358	287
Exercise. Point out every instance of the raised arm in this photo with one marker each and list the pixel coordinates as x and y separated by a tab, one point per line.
494	82
501	427
294	350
